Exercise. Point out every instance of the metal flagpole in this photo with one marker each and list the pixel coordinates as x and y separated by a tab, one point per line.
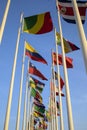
25	102
29	109
68	100
20	94
51	106
6	124
81	31
27	126
4	20
59	91
49	110
56	122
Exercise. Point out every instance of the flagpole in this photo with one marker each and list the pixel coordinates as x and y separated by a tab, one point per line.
60	98
68	100
28	113
6	124
25	102
4	19
49	110
28	105
51	106
81	31
20	94
55	98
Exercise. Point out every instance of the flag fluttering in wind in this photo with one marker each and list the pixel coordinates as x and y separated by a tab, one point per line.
36	94
32	83
66	10
33	70
38	24
38	114
61	80
40	109
59	56
68	46
38	84
56	89
38	104
33	54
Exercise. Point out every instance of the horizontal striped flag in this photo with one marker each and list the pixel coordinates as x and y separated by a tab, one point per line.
38	24
68	60
33	70
33	54
68	46
39	85
66	10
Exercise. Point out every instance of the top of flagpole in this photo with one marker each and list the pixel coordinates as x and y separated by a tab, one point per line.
4	20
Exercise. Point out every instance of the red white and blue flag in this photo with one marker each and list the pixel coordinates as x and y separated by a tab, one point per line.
66	10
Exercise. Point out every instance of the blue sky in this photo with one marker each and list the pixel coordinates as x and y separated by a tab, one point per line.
43	44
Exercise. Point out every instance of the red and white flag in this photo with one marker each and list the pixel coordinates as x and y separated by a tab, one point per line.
66	10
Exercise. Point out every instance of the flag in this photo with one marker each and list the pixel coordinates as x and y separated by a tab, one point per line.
48	115
32	83
66	10
39	109
56	90
33	70
68	46
35	98
61	80
38	24
68	60
36	94
38	104
39	85
35	121
33	54
38	114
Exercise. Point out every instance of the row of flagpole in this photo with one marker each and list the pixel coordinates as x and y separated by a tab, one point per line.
78	21
68	100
